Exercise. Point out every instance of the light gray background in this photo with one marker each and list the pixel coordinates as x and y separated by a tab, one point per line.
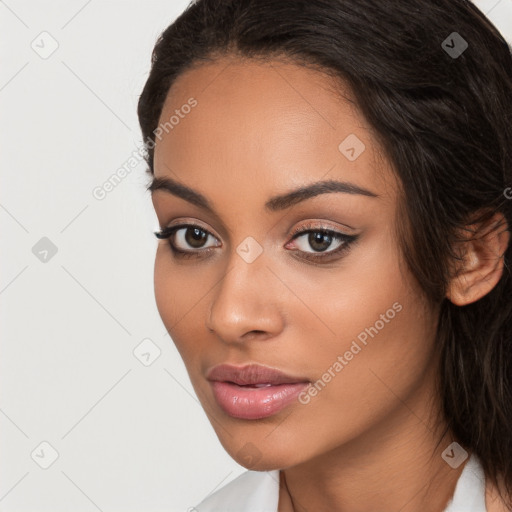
129	437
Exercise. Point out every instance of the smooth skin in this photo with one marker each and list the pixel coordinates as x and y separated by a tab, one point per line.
367	441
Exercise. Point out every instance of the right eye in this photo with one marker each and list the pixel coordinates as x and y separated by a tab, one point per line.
186	239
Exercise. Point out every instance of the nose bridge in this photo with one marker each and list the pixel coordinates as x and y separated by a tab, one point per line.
244	300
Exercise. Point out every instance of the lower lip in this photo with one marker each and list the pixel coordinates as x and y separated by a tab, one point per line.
251	403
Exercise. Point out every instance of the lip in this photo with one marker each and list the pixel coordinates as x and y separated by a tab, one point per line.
251	374
253	391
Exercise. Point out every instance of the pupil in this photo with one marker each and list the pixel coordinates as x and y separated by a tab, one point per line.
317	238
194	236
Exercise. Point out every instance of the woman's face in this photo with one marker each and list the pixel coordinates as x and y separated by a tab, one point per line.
352	322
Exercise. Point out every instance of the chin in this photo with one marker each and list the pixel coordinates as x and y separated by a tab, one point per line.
251	457
263	464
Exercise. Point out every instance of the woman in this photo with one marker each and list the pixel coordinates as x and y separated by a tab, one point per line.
332	181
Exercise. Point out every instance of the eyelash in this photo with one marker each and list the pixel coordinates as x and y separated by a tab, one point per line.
347	240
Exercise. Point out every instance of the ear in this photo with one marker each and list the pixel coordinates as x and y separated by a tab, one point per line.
482	260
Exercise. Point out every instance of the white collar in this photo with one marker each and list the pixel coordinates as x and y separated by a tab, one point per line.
469	495
258	491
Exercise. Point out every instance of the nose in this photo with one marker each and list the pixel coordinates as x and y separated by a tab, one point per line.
245	302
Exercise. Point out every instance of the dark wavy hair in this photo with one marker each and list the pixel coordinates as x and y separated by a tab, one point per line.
444	122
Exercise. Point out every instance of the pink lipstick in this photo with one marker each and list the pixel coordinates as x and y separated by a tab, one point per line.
253	391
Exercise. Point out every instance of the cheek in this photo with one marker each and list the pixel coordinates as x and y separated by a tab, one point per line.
359	385
178	299
341	303
369	340
166	282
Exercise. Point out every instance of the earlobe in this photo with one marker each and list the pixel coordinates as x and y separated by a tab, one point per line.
481	266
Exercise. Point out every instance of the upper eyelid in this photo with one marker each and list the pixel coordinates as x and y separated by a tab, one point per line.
308	227
186	224
322	224
317	226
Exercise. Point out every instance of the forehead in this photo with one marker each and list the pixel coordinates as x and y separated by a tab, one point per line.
260	126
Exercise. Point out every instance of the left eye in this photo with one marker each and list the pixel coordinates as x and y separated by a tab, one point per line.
320	240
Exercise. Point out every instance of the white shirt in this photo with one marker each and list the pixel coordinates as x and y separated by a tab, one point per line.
258	491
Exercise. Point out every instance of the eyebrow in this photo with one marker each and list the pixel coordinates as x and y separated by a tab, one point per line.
274	204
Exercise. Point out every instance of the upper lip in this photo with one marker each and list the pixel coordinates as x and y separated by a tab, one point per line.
251	374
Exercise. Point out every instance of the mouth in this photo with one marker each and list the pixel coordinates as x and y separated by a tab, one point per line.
254	391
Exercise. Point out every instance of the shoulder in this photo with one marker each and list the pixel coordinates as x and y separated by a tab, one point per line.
252	491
